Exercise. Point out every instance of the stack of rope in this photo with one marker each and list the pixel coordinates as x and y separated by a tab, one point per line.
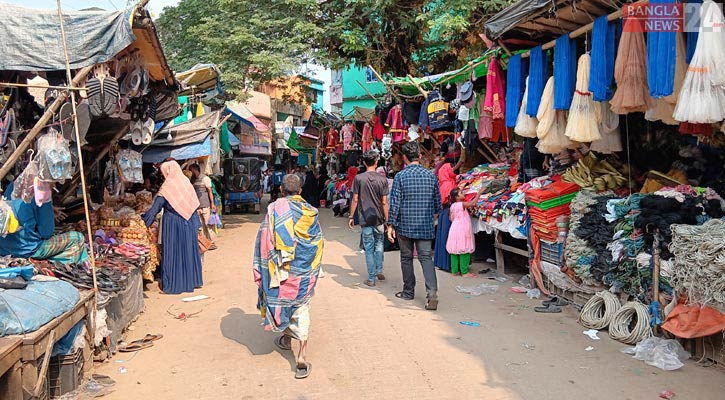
599	311
699	269
579	256
630	324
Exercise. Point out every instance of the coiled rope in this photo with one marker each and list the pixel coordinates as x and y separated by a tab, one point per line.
630	324
598	312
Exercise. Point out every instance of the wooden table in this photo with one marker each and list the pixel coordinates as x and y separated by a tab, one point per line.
34	344
11	386
500	247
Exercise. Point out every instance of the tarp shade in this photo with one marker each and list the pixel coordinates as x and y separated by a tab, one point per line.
198	79
511	16
242	113
157	154
189	132
31	41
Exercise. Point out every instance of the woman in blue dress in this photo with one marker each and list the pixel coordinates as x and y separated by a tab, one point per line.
180	257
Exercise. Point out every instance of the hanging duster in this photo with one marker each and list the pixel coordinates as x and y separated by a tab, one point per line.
537	79
552	123
514	89
661	50
525	125
582	125
611	141
603	56
564	72
701	99
665	106
630	72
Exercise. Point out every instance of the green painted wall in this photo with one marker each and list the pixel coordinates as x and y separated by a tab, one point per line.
353	94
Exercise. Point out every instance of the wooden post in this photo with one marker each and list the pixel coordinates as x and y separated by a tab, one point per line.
42	122
490	150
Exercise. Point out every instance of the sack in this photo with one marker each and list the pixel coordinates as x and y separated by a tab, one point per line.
204	243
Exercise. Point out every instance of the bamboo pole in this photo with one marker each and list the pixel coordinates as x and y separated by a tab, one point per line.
89	231
27	85
417	86
366	90
584	29
42	122
385	83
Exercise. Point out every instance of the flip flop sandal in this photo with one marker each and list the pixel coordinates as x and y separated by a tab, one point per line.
404	296
65	114
131	347
555	301
104	380
550	309
137	133
280	345
95	101
83	112
148	131
149	338
110	95
303	370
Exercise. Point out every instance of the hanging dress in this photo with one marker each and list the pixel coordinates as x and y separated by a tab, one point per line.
367	137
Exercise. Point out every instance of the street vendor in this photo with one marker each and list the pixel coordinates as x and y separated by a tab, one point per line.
36	240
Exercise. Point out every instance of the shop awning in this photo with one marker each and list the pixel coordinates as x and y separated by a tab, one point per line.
242	113
156	154
189	132
198	79
539	21
31	40
234	140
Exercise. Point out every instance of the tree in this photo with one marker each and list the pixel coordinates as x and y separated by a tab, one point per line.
255	41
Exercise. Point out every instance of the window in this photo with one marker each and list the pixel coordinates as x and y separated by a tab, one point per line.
370	76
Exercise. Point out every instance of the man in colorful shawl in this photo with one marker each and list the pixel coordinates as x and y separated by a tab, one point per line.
287	257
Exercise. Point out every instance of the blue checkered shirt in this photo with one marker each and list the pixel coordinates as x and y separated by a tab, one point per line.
414	201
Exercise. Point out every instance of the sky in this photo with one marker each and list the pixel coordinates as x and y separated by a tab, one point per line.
155	6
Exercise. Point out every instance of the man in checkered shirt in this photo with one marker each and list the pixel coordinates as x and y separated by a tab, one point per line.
414	200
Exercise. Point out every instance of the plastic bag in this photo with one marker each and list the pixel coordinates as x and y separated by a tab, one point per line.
54	159
8	222
23	187
477	290
666	354
533	293
129	165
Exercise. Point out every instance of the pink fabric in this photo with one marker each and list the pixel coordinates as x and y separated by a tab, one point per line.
495	103
178	190
367	137
460	236
396	124
347	136
290	288
42	191
378	128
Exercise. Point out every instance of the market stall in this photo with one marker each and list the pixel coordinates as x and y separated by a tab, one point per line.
636	166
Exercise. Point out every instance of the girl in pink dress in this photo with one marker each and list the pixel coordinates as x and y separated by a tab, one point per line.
461	242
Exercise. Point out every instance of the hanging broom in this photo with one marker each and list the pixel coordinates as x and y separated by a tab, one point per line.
582	125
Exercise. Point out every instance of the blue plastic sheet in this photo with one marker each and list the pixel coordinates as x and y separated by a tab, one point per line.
26	310
11	273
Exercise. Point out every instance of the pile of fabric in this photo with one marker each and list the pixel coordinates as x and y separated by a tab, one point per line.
547	204
495	179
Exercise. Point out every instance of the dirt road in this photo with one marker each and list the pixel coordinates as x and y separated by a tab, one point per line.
366	344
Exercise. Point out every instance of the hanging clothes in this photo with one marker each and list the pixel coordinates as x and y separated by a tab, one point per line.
537	79
661	50
603	56
495	102
395	122
582	125
702	98
630	72
367	137
565	72
514	89
331	142
411	112
378	128
348	135
434	113
525	125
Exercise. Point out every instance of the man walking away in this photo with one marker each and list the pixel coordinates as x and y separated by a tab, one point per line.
414	201
370	201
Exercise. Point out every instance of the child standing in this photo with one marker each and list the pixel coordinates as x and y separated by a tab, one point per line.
461	242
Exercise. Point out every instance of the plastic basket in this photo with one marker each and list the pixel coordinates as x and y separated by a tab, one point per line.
65	373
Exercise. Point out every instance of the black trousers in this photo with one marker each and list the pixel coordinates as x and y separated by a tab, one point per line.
425	256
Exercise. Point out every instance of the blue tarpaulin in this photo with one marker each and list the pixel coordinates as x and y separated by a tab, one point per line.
157	154
31	41
26	310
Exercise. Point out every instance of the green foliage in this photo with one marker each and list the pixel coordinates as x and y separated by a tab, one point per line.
255	41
